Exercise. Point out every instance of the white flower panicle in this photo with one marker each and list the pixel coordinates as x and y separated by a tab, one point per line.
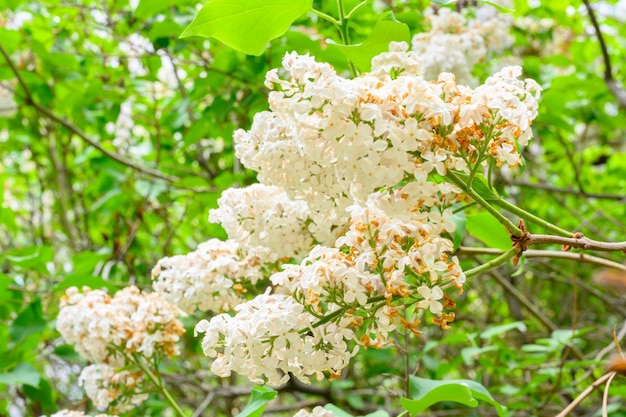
261	215
271	336
215	277
104	328
119	390
331	141
366	156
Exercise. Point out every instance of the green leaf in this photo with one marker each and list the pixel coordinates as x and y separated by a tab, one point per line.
426	392
470	353
387	29
24	373
260	396
498	7
481	186
246	25
29	321
85	280
484	227
459	220
503	328
338	412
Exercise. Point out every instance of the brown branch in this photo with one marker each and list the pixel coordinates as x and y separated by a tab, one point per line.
575	242
76	130
533	253
585	393
618	92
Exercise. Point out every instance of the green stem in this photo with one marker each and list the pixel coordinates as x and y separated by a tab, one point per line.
159	385
344	21
463	208
513	209
493	263
342	310
326	17
514	230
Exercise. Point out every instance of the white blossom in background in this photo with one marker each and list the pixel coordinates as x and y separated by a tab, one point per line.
108	387
8	106
261	215
456	42
271	336
214	277
133	321
74	413
316	412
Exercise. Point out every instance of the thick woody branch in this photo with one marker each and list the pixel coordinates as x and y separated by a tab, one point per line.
28	99
618	92
533	253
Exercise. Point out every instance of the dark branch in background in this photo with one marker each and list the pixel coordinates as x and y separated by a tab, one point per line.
28	99
618	92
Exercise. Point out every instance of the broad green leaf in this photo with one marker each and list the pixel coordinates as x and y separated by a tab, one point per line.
29	321
426	392
24	373
503	328
387	29
31	257
258	400
338	412
484	227
480	185
246	25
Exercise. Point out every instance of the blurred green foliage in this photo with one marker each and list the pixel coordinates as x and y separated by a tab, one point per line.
163	109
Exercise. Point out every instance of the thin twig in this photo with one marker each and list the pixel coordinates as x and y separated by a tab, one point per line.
605	396
584	394
576	242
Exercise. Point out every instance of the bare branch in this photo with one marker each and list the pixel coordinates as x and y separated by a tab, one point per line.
576	242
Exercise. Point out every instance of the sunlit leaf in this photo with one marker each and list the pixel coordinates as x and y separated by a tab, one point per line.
427	392
387	29
246	25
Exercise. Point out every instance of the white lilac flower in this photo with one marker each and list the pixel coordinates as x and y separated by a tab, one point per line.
215	277
272	336
103	328
110	388
261	215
